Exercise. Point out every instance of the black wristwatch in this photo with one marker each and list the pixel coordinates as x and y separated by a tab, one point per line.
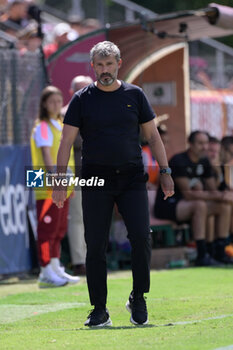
167	171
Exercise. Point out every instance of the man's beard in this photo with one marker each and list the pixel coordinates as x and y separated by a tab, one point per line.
107	82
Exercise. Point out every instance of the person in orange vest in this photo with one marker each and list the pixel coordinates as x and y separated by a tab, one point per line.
52	222
150	163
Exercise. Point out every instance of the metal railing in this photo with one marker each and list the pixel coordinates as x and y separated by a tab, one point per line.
22	78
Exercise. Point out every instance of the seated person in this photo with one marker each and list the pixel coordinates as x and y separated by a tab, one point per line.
196	198
220	154
226	157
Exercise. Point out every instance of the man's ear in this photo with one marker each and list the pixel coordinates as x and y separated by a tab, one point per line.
92	64
119	63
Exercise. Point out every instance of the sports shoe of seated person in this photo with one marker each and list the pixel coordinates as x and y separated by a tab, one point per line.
60	271
220	252
136	305
49	279
207	260
98	317
229	250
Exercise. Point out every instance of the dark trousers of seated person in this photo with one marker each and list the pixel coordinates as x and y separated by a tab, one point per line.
129	192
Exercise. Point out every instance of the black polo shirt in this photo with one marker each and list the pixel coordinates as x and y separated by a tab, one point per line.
182	166
109	123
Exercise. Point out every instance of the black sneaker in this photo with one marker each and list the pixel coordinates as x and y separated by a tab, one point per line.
98	318
136	305
207	260
226	260
220	254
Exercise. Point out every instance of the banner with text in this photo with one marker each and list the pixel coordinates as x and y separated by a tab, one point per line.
14	200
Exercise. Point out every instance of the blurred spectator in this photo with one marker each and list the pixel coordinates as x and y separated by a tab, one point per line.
33	42
89	25
226	155
84	26
62	34
3	6
33	11
218	162
196	198
227	149
220	154
213	154
21	19
29	39
16	15
75	22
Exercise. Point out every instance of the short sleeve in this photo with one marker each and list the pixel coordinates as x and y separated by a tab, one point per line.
178	166
208	170
73	115
146	111
43	135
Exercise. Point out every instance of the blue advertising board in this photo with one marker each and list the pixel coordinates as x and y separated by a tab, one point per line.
14	201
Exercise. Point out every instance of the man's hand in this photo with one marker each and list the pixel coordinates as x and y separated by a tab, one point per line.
59	195
69	134
167	185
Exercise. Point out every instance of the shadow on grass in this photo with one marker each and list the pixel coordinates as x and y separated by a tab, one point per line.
128	327
18	278
112	328
13	281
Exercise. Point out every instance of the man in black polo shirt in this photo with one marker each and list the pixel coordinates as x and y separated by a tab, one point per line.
109	114
196	197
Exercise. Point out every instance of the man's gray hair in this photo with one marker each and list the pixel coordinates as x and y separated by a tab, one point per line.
78	81
105	49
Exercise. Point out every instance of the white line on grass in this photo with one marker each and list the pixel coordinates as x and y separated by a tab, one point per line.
229	347
196	321
12	313
164	299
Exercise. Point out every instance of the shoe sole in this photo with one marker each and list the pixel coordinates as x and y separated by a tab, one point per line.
108	323
49	285
72	282
70	279
128	308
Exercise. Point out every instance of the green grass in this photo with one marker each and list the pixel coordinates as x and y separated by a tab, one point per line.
188	309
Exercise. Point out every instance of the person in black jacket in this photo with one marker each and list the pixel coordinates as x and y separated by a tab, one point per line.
109	114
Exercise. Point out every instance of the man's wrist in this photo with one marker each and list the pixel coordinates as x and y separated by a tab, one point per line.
165	170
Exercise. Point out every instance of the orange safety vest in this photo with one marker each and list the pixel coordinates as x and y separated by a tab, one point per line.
151	165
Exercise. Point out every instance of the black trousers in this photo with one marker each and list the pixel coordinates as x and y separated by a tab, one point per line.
127	188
